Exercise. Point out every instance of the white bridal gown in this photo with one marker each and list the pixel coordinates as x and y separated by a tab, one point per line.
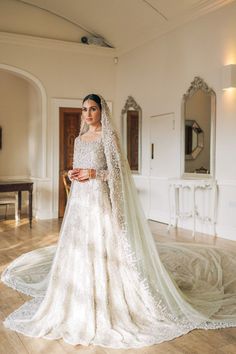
84	290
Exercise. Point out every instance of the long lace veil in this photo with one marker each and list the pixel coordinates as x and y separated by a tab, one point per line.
140	248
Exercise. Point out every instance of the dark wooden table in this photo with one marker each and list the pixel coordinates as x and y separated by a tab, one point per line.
19	186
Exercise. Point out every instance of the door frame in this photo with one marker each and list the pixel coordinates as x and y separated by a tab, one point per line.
56	103
63	162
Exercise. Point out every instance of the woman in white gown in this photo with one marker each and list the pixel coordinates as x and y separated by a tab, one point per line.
107	282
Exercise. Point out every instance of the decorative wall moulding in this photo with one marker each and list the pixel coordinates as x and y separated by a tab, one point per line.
20	39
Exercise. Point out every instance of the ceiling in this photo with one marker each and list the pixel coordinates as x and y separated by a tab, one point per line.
126	24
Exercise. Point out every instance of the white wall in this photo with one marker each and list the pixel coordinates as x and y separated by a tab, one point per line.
159	73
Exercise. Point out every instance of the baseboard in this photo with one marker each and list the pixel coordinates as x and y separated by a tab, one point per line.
228	233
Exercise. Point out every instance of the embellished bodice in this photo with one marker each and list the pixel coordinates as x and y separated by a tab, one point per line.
89	154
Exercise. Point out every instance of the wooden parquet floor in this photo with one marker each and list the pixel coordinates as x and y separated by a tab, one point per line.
18	239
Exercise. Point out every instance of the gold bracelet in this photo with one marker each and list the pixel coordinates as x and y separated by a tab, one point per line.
90	174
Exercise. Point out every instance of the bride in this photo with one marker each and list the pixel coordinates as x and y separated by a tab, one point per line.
107	282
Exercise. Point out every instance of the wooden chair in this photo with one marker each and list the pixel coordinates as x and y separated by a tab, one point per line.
10	199
66	182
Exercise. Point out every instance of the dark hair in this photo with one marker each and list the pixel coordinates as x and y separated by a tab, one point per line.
95	98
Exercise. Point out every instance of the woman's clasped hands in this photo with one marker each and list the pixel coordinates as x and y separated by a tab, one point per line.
82	174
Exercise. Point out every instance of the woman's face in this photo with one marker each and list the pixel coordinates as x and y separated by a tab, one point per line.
91	112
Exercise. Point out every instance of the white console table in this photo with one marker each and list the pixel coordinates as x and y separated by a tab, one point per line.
176	210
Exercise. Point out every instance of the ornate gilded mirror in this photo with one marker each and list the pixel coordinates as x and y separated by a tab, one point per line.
131	116
198	129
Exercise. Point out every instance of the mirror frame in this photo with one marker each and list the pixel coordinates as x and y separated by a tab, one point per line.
200	139
130	105
199	84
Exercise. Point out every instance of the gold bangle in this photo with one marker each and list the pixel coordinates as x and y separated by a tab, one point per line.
90	175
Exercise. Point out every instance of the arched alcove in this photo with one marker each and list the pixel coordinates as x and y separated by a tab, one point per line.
38	118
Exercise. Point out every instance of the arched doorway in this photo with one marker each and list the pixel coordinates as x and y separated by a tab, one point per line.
40	96
24	150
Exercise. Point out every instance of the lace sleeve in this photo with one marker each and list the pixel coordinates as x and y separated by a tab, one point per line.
113	167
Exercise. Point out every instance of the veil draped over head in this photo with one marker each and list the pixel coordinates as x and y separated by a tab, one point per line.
141	251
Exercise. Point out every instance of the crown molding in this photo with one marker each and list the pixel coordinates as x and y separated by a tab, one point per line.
40	42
